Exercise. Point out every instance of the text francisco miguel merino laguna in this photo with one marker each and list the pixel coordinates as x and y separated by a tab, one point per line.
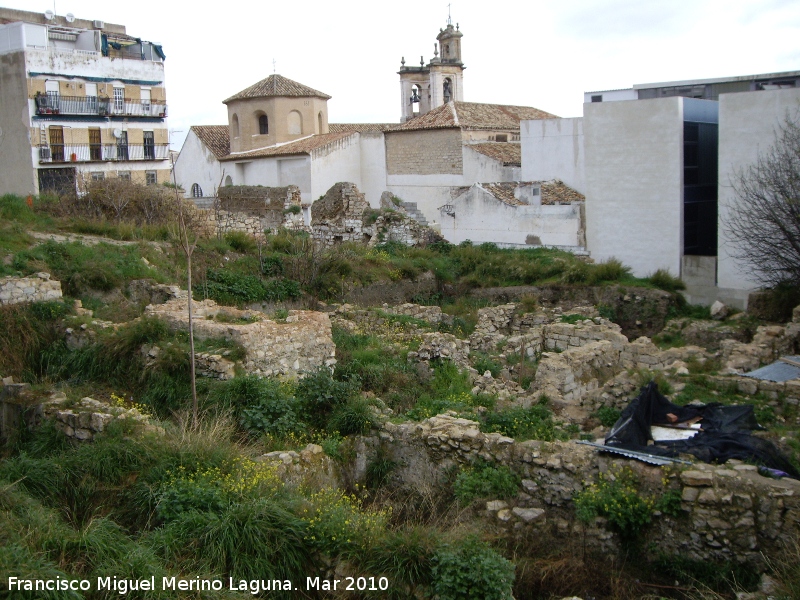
254	586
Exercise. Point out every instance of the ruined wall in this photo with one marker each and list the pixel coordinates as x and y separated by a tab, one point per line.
254	209
337	216
14	290
301	344
344	215
728	512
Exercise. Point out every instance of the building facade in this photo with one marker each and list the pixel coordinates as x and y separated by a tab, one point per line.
80	100
658	171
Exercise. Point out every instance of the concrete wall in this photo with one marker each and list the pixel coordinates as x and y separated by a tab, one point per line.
197	164
338	161
747	125
481	217
373	167
634	177
481	168
554	149
16	159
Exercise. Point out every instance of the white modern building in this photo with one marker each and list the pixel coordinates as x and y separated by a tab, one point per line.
78	99
656	165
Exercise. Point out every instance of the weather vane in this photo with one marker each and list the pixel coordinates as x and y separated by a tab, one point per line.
449	20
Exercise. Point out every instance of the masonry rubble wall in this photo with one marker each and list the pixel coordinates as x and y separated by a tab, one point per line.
255	209
40	288
344	215
728	512
300	345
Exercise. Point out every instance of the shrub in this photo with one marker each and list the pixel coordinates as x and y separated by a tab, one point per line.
484	480
484	363
353	417
532	423
666	281
609	270
264	406
471	569
608	415
379	469
319	393
618	500
241	242
228	287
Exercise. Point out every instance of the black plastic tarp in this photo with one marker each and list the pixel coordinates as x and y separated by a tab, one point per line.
725	433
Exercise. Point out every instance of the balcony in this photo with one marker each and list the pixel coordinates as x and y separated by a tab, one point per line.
81	153
55	104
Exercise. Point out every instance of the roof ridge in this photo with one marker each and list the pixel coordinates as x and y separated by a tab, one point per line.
452	106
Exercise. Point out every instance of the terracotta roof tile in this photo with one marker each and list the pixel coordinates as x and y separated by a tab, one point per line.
472	115
359	127
276	85
553	192
508	153
304	146
215	137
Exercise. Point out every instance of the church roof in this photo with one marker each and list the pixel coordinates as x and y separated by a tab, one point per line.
216	137
508	153
276	85
472	115
359	127
303	146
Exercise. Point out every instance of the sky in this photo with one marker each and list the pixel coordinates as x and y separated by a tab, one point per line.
541	53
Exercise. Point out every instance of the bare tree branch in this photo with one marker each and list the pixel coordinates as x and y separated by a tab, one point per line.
764	222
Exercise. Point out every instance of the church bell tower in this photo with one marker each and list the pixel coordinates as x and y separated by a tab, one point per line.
438	82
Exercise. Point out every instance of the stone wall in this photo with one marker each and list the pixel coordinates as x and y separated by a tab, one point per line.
255	209
424	152
338	216
14	290
301	344
344	215
728	512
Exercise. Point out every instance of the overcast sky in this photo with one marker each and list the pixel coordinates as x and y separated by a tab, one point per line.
527	52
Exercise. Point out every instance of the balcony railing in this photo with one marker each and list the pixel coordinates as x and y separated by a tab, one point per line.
56	104
64	153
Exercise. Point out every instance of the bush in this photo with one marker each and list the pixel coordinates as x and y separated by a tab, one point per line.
241	242
484	480
608	415
666	281
618	500
471	569
353	417
229	287
319	394
264	406
532	423
609	270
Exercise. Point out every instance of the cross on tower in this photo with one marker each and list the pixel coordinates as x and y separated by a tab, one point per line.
449	20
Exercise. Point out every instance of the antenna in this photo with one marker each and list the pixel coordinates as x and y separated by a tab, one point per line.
70	18
273	66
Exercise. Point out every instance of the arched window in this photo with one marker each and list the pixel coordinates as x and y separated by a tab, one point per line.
197	191
319	123
263	124
228	181
235	125
416	98
447	88
295	123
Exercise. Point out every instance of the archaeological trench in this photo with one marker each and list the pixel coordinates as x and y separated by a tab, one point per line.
728	512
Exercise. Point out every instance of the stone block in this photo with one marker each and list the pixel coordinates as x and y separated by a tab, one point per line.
697	478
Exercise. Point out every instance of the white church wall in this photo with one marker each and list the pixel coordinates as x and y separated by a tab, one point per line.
373	167
338	161
554	149
481	168
196	164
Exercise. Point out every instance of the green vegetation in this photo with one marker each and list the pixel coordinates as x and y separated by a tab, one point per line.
484	480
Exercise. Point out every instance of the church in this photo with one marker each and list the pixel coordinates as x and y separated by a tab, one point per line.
278	134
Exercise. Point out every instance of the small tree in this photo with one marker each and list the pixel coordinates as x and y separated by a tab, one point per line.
764	222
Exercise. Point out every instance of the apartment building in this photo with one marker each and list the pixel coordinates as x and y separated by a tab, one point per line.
79	100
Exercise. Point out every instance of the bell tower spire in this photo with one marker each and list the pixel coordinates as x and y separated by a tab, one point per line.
426	87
